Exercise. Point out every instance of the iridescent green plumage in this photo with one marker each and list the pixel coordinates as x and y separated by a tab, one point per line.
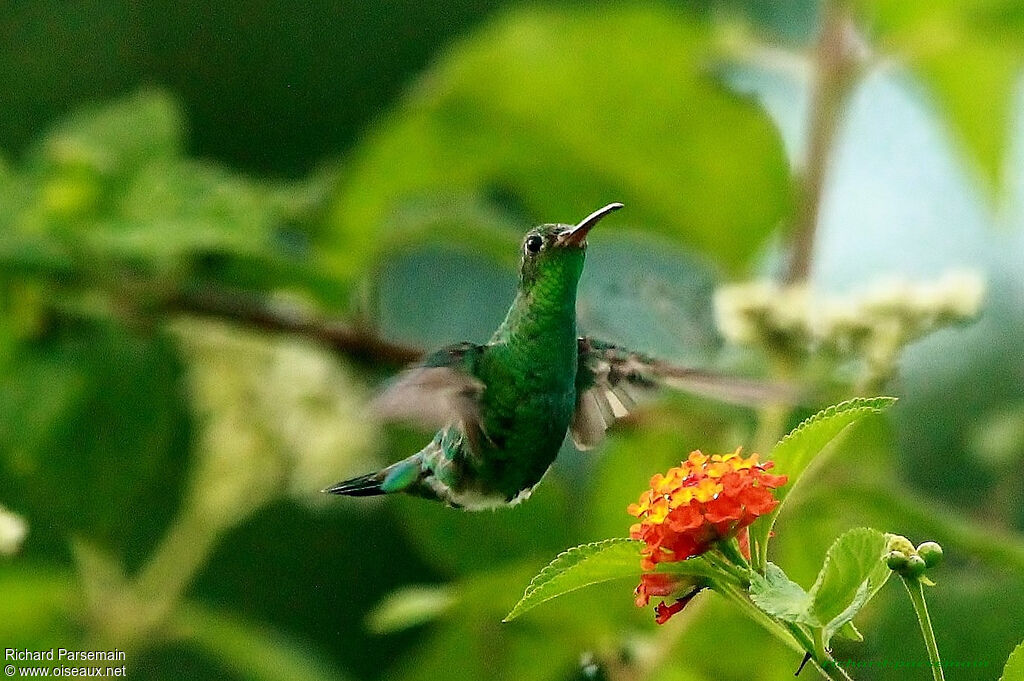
505	407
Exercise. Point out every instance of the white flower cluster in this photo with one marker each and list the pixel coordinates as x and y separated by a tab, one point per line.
277	416
792	322
13	530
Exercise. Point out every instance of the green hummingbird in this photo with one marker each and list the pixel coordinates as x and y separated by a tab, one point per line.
504	407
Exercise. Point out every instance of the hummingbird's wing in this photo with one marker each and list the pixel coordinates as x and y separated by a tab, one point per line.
442	389
611	379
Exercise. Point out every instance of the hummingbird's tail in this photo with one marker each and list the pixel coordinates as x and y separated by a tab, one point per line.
398	477
362	486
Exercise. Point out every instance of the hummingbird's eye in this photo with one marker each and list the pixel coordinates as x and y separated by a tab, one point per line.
533	243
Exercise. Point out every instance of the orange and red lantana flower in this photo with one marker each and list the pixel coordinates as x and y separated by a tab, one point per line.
704	500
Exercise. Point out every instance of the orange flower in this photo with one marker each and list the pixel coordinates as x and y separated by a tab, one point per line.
703	500
663	613
695	504
660	584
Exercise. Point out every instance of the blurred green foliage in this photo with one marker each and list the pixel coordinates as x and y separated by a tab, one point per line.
168	466
500	116
970	55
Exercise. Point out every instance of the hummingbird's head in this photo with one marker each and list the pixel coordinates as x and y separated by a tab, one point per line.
555	253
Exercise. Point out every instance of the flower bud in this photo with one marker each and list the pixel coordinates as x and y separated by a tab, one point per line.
915	567
931	553
896	560
900	543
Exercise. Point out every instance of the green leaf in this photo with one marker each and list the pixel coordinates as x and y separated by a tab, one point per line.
853	572
595	563
795	452
579	567
1014	669
116	138
849	632
408	607
778	596
100	400
540	107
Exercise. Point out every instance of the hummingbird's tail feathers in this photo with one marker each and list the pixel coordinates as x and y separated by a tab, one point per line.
398	477
363	486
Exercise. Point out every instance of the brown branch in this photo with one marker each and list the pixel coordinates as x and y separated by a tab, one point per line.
835	65
258	313
132	298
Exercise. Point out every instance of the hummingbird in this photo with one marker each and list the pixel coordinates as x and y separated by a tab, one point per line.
504	407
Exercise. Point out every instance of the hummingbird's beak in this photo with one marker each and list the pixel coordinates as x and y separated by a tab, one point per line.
577	235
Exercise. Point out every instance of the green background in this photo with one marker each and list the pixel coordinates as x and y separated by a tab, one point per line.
378	163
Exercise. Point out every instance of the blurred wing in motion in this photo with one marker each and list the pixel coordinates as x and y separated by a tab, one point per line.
439	391
610	380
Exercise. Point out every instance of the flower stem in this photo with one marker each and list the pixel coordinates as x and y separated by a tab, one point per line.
815	648
731	550
170	570
916	591
830	664
737	576
775	628
790	634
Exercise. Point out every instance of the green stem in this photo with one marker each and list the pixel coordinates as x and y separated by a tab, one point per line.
787	632
916	591
731	550
771	427
170	570
737	576
831	664
802	636
740	599
820	656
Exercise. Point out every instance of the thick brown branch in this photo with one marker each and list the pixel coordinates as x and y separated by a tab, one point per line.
835	64
258	313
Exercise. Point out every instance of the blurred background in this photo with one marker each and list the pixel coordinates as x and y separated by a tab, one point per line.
224	225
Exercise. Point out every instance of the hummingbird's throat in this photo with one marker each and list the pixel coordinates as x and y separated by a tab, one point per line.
544	313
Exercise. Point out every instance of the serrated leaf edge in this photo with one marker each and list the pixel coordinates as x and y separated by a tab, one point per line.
552	570
828	555
856	407
867	405
831	628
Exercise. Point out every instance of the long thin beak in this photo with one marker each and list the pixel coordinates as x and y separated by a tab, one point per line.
578	234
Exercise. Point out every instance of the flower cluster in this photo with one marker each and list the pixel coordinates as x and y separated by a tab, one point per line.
872	326
12	532
701	501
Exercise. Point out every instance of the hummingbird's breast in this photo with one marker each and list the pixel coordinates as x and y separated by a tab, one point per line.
526	408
